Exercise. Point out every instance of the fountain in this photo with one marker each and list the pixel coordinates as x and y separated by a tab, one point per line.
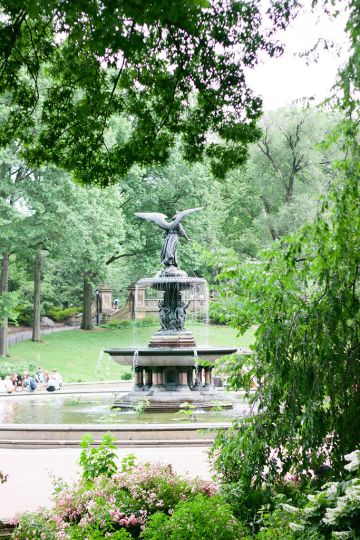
172	369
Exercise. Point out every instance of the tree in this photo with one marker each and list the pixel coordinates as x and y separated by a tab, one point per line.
13	174
279	187
304	294
49	200
169	69
98	231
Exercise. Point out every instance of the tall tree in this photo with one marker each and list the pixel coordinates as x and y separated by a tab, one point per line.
13	175
171	69
304	294
278	189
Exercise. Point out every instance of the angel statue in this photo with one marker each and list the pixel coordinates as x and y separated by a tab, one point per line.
173	229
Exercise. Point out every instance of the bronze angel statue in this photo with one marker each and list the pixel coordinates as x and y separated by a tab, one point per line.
173	230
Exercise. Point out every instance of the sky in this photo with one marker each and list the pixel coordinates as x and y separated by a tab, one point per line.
281	81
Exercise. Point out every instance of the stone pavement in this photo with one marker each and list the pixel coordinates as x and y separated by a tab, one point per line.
29	483
18	337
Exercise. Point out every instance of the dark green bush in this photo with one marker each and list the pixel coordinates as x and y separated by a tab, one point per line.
126	376
203	518
24	313
117	324
60	314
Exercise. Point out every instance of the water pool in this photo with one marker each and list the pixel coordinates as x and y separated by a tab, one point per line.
96	409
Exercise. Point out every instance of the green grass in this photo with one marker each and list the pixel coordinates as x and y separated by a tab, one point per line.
77	354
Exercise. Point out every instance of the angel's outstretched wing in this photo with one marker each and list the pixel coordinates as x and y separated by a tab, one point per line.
184	213
155	217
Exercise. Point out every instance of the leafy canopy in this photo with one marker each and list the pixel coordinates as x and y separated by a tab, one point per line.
169	68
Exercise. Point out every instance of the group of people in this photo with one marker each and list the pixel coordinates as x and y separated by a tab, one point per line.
42	380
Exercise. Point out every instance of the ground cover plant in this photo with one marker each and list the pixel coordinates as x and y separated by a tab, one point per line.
77	354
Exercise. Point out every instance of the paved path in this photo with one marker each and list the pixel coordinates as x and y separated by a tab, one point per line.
29	483
17	337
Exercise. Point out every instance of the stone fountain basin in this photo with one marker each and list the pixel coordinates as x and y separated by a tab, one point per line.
168	356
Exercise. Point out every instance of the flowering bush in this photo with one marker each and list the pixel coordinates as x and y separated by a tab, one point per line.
330	513
115	507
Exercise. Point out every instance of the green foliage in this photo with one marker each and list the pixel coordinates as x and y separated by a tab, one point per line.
304	295
141	323
201	518
8	367
126	376
98	461
105	506
140	405
23	314
332	512
162	74
59	314
278	189
187	411
8	302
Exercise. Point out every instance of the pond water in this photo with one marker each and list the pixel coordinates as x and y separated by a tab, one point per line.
95	409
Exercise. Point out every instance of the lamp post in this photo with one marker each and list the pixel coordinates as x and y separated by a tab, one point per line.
97	306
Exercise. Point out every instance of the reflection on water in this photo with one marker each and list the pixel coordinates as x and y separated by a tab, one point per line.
85	409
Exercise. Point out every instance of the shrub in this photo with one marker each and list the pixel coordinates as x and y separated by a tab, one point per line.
24	313
60	314
97	461
329	513
6	368
199	519
117	324
112	504
126	376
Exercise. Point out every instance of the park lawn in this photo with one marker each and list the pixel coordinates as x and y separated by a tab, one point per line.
78	354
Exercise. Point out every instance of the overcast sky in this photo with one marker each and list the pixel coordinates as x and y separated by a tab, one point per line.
280	81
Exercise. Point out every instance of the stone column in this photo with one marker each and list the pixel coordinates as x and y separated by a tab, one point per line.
155	378
207	376
183	377
160	377
147	378
138	378
207	382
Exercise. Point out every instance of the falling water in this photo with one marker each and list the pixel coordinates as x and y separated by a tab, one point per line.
107	368
98	366
206	318
135	360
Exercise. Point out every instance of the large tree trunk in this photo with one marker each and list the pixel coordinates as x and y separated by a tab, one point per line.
86	323
4	287
37	282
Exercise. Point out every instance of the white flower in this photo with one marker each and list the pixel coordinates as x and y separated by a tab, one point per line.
296	527
289	508
354	459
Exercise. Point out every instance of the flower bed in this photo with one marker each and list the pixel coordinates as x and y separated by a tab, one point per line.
119	504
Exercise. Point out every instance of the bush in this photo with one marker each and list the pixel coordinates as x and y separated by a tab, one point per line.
199	519
329	513
7	368
141	323
126	376
60	314
108	503
24	313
